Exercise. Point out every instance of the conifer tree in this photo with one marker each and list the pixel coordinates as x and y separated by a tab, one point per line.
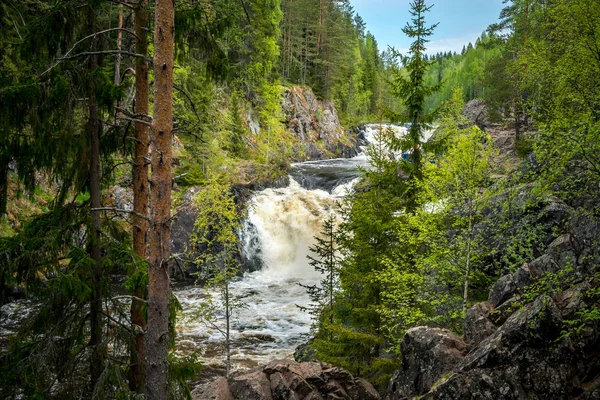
325	260
413	91
141	190
157	339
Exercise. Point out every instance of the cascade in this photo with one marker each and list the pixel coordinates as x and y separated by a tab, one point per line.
276	237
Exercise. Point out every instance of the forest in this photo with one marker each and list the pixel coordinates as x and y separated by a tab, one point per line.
460	260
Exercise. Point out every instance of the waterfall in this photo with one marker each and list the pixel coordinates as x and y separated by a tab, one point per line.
276	236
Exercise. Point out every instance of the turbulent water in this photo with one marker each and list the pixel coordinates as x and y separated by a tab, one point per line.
276	238
280	229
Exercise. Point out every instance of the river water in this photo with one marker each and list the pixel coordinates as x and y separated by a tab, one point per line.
277	234
280	228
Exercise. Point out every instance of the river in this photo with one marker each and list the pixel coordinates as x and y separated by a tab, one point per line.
280	228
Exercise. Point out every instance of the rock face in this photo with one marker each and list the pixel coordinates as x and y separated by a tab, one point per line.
478	325
317	125
427	354
476	111
517	347
288	380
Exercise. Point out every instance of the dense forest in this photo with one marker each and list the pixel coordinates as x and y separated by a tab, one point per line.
496	177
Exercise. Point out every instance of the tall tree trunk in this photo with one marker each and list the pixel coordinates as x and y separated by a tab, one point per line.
320	25
95	343
137	378
468	261
160	233
3	186
118	58
227	329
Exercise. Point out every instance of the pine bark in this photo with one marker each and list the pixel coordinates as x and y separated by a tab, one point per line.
160	230
137	377
95	343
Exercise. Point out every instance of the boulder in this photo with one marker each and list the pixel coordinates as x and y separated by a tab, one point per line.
476	111
502	290
217	390
427	355
290	380
522	359
477	325
254	384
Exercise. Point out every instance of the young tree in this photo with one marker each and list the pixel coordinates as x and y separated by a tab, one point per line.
326	262
458	181
216	241
157	339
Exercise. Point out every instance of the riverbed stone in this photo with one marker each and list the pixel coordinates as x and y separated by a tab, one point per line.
291	380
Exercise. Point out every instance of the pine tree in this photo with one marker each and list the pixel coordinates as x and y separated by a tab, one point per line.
157	339
141	190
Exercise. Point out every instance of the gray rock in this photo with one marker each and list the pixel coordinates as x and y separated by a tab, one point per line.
523	277
521	360
502	290
427	354
290	380
216	390
316	124
476	111
477	325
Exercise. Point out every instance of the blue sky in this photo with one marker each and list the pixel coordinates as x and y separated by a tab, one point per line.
460	21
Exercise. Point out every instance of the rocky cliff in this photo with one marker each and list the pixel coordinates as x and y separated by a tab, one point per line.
316	124
537	336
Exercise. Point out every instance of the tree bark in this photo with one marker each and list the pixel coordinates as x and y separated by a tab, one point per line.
137	373
95	344
468	261
3	186
160	233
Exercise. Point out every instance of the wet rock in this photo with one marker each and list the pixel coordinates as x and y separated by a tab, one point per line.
502	290
427	354
477	325
285	380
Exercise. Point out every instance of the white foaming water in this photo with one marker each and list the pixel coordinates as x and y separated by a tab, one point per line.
280	228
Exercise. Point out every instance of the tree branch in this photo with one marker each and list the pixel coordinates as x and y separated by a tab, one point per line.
109	52
119	210
66	56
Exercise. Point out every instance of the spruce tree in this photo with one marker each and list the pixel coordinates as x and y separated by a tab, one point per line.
410	86
325	260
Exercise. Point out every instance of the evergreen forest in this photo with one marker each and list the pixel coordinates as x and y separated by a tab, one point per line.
173	171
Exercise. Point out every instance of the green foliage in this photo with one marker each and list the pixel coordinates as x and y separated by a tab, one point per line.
326	262
409	85
216	243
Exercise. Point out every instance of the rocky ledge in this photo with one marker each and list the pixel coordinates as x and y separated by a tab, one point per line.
537	337
288	380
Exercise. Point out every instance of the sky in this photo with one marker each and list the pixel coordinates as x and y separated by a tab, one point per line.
460	21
